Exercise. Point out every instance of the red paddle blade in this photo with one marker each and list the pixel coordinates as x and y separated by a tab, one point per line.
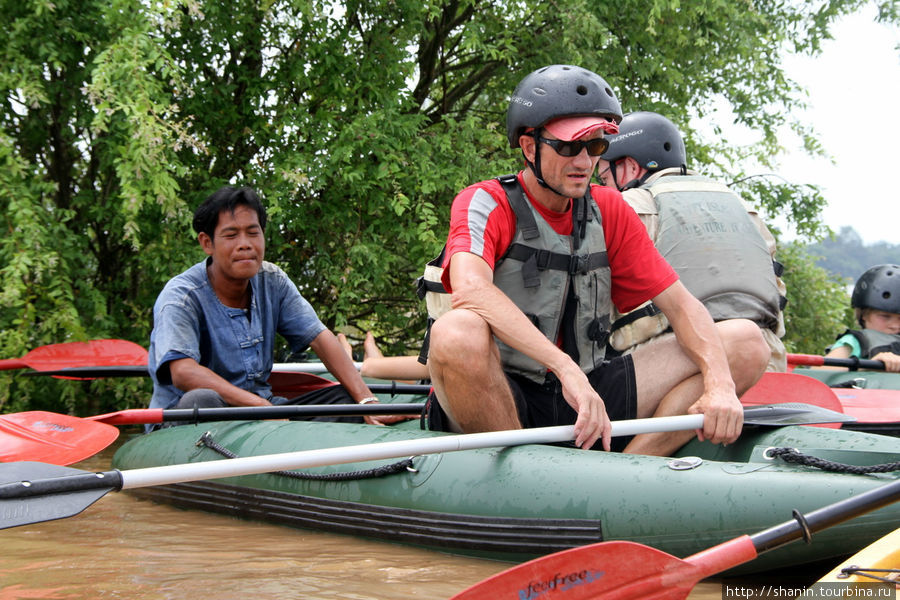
52	438
870	405
779	388
93	353
611	571
608	570
291	385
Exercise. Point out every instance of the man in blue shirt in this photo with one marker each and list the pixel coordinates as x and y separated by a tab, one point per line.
214	324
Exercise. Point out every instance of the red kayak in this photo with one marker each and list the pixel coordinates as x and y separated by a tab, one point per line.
874	404
876	411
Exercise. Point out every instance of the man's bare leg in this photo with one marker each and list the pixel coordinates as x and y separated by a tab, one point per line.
669	382
468	380
370	347
345	344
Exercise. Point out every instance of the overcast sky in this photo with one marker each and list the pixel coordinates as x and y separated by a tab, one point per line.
854	89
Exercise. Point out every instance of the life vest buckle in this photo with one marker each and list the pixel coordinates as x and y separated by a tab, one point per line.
578	265
542	259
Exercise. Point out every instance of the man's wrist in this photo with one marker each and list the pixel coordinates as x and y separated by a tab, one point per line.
368	400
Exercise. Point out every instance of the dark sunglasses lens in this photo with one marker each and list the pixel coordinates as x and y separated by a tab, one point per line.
568	148
594	147
597	147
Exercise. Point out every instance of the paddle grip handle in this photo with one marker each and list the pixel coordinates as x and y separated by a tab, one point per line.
109	480
287	411
140	416
854	363
8	364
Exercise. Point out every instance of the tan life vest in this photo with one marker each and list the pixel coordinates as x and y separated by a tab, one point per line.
705	232
430	288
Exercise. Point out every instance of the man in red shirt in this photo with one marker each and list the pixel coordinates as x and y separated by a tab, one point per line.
534	263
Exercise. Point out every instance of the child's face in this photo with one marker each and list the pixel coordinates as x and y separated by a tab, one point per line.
884	322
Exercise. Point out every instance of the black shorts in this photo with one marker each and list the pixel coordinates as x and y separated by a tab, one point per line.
543	405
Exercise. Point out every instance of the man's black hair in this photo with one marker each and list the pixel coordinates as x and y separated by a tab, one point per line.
206	217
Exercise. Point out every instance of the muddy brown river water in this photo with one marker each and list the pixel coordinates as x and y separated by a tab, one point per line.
131	549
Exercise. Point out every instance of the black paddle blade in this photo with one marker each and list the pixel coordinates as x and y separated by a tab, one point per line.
23	503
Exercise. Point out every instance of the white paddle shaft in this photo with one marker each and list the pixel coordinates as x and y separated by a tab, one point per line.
249	465
305	367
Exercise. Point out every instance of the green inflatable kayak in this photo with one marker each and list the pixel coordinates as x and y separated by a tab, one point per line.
517	503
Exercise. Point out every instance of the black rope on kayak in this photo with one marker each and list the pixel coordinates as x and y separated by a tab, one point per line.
792	455
207	440
869	573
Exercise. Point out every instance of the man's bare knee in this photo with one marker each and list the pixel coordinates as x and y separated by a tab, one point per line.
466	372
748	352
458	333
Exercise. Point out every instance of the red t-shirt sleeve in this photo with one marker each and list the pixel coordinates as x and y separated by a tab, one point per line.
481	222
639	272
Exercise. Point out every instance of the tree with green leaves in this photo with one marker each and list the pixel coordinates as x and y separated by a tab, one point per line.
818	307
357	121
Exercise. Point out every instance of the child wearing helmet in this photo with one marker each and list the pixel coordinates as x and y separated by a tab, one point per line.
876	302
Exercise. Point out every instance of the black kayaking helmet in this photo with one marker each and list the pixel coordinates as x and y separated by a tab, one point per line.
650	139
878	288
557	91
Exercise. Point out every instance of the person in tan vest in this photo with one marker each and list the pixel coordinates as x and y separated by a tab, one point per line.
718	245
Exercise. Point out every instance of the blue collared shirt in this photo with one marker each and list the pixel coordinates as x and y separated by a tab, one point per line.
189	321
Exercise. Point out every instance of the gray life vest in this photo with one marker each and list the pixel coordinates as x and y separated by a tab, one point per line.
539	270
535	274
706	235
873	342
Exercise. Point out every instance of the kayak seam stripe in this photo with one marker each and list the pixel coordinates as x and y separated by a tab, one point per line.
448	530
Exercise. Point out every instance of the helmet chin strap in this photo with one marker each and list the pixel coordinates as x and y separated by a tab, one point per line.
615	178
536	165
638	182
633	183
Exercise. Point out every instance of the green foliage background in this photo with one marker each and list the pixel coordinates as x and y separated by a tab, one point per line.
822	275
818	302
358	121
